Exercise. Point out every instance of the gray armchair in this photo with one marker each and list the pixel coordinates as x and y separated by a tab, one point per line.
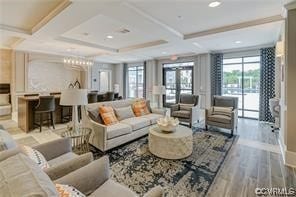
187	109
224	118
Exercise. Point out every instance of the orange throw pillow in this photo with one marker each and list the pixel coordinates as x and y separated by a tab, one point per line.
140	108
107	114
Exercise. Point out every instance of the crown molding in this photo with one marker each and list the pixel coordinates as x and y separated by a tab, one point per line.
57	10
142	45
291	5
234	27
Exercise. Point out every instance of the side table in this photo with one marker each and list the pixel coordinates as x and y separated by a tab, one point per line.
79	139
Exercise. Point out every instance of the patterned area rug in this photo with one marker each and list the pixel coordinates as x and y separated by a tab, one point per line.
134	166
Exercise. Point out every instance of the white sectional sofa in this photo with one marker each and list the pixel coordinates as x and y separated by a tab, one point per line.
107	137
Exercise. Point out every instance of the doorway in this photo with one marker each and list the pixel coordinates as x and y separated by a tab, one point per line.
177	79
241	78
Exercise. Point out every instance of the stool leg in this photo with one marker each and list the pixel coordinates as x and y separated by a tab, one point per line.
52	122
41	121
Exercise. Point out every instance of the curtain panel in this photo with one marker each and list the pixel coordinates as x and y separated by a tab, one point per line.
144	79
124	79
216	74
267	83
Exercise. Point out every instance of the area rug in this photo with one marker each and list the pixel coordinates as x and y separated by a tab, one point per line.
134	166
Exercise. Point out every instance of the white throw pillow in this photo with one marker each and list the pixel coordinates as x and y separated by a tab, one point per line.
36	156
4	99
226	111
68	191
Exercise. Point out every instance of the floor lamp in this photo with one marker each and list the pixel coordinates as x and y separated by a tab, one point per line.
158	91
74	97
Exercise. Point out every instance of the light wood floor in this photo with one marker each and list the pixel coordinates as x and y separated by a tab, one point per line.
254	161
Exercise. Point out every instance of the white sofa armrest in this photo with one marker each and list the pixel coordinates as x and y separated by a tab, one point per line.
98	137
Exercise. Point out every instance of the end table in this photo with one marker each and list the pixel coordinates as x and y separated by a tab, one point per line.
79	139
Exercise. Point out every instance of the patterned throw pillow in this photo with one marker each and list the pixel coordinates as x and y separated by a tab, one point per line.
36	156
140	108
68	191
107	115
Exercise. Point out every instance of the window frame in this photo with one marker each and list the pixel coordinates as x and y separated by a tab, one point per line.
136	69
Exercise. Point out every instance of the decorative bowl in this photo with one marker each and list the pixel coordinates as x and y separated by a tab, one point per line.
168	124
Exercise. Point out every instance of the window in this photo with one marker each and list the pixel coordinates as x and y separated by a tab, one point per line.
135	81
241	78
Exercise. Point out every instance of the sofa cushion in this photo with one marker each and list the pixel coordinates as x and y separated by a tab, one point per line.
110	189
61	159
226	111
5	110
220	119
124	113
136	122
95	116
140	108
36	156
185	107
6	141
152	117
20	176
117	130
181	114
107	114
4	99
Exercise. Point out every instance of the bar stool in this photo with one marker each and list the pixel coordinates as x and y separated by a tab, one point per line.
110	96
66	113
46	106
92	97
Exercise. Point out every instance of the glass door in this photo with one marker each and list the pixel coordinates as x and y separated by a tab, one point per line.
241	78
177	79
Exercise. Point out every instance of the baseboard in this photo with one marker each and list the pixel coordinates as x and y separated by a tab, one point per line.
289	157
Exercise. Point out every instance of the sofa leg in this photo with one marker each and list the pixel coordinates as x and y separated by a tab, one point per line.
206	127
231	135
190	125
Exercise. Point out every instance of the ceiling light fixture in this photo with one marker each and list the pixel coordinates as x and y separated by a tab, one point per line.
238	42
214	4
164	52
109	37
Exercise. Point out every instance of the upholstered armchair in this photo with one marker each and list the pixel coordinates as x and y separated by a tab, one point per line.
187	109
223	113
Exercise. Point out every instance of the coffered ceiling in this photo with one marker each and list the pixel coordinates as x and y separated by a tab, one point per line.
117	31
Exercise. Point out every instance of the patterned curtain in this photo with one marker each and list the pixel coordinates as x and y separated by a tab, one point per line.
144	85
124	80
216	74
267	83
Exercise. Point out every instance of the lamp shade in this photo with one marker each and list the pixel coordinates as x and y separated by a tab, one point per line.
158	90
72	97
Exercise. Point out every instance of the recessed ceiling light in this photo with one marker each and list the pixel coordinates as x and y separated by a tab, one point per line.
238	42
110	37
164	52
214	4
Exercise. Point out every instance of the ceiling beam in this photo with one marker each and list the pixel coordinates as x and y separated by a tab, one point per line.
154	20
87	44
60	7
142	45
15	30
234	27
